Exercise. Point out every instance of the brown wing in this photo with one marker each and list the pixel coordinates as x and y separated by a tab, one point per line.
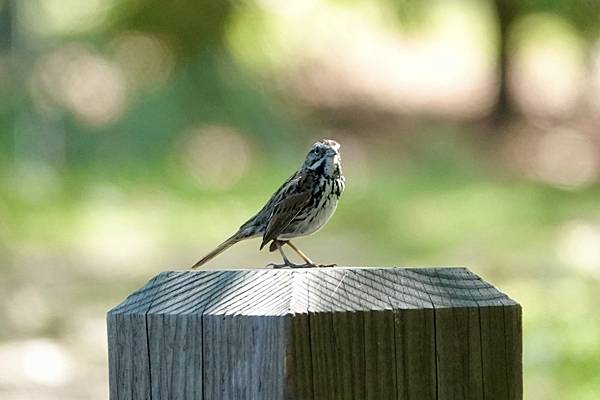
258	223
288	208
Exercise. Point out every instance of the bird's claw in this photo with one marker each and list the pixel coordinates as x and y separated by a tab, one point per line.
307	265
289	265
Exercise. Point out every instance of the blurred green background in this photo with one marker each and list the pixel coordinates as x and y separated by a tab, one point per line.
136	135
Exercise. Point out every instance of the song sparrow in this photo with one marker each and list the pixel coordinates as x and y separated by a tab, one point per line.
300	207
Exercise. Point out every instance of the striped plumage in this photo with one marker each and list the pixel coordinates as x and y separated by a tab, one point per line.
300	207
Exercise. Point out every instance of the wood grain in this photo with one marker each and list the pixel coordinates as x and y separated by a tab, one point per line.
322	333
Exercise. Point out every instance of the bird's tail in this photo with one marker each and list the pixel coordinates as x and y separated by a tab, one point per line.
221	248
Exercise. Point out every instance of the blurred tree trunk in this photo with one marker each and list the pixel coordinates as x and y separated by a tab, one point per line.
5	26
7	104
503	110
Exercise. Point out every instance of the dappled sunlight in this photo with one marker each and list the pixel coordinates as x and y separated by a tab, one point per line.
547	72
566	158
117	240
88	84
359	59
87	334
594	81
579	247
147	61
36	182
544	85
291	8
559	310
27	310
215	156
60	17
562	157
136	136
38	361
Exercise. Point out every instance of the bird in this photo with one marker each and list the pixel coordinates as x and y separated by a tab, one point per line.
300	207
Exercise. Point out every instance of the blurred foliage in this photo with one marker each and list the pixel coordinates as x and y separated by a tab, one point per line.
135	135
584	14
189	26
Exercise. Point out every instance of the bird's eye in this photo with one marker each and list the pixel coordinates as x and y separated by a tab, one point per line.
318	151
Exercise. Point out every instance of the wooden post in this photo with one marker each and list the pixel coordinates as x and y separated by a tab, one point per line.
322	333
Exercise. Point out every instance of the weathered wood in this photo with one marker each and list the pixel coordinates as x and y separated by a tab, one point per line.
129	358
323	333
415	341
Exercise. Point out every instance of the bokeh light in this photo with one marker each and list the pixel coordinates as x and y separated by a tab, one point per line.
566	158
361	60
40	362
215	156
593	96
137	135
146	60
579	247
548	69
89	85
60	17
116	240
563	157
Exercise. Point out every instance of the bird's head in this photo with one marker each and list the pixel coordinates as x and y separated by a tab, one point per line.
324	157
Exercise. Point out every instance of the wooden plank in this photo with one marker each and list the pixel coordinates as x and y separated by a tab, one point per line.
415	354
175	337
501	345
244	357
154	292
116	352
459	354
327	382
336	342
379	339
351	358
299	360
514	346
246	336
494	365
380	355
343	333
350	337
260	293
414	340
458	337
500	355
458	345
129	361
175	344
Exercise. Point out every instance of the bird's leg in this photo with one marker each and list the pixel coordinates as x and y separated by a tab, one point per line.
300	253
286	261
304	257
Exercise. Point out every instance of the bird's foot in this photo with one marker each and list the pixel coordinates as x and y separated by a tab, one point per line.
286	265
306	265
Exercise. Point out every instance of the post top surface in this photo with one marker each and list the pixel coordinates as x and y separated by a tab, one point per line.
277	292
